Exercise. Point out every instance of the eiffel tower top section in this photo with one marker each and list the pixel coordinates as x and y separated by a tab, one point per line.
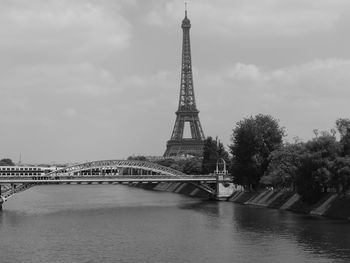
187	102
186	23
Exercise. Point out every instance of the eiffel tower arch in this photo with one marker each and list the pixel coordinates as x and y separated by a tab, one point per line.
187	111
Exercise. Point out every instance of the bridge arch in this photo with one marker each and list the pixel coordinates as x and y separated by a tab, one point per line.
119	167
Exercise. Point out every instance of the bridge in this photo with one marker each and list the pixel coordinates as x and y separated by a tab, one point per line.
113	172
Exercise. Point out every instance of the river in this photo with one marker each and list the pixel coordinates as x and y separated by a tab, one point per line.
115	223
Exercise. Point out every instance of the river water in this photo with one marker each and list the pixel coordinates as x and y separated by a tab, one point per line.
115	223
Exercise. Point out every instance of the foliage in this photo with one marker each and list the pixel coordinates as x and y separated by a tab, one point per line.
213	150
283	166
343	127
311	168
192	166
316	167
6	162
305	181
169	162
137	158
253	140
341	176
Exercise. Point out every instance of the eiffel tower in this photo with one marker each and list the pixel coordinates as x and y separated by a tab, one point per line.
187	111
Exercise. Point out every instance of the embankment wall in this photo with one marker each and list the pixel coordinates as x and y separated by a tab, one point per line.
331	205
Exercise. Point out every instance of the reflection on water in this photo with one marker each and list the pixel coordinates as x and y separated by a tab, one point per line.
123	224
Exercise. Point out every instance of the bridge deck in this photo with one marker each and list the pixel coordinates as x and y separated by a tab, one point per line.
107	179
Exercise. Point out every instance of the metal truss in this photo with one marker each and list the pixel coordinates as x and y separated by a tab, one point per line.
121	166
187	111
12	189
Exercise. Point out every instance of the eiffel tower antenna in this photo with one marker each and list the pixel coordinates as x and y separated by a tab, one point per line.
187	111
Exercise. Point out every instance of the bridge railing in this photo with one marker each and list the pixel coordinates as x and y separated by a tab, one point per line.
204	177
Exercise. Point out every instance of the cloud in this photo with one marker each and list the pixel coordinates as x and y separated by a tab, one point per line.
242	71
42	31
43	80
318	78
304	97
70	112
253	18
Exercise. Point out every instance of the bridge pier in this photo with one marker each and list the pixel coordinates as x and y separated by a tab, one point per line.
223	189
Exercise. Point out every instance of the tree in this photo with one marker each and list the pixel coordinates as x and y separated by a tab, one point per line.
316	170
283	166
312	168
343	127
210	155
222	153
6	162
308	188
171	163
192	166
315	167
213	150
137	158
341	176
253	140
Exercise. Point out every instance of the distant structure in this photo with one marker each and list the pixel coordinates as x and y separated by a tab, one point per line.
25	170
187	111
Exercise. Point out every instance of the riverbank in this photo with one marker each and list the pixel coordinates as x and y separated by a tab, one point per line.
331	205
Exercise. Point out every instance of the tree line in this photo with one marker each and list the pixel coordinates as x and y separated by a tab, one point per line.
311	168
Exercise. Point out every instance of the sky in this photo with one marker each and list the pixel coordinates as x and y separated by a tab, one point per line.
89	80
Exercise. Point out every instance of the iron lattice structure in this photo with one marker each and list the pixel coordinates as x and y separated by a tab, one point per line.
119	167
187	111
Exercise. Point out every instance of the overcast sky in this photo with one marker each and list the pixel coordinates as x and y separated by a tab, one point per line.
99	79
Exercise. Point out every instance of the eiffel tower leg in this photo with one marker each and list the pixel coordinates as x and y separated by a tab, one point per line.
193	130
